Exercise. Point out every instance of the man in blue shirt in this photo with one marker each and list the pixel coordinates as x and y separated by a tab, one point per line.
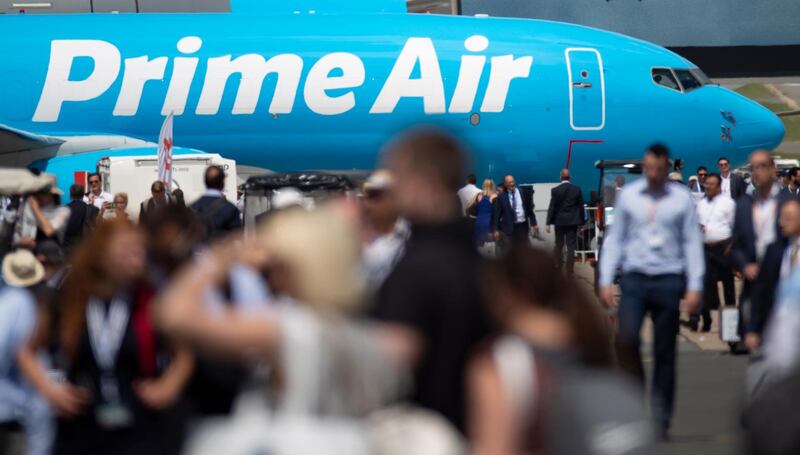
656	241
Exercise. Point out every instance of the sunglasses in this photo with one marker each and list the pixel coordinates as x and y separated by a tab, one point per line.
92	182
702	175
374	194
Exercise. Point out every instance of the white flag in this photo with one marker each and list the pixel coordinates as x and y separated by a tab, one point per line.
165	153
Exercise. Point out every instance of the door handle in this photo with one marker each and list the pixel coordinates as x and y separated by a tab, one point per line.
582	84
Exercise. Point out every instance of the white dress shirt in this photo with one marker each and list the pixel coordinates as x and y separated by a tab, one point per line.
466	195
765	215
99	200
726	185
516	203
716	216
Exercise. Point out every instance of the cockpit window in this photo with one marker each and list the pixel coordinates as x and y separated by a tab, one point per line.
664	76
701	76
688	80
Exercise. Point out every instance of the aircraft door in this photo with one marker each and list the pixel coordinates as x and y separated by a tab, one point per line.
587	91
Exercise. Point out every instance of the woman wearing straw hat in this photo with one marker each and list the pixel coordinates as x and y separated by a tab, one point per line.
19	404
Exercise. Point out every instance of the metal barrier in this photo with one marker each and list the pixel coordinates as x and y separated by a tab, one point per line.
588	235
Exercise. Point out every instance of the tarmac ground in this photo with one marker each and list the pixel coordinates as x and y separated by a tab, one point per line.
710	389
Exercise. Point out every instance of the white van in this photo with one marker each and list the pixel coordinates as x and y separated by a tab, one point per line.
134	175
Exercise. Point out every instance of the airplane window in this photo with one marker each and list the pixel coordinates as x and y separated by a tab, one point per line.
664	76
701	76
432	6
688	81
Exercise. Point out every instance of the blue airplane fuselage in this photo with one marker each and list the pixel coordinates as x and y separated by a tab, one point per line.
326	91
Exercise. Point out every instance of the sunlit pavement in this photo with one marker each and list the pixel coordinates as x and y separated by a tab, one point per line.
709	390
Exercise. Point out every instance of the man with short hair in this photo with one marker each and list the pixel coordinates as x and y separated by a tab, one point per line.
733	185
158	198
431	298
82	218
384	233
656	240
715	213
515	216
566	214
794	184
755	228
698	186
467	193
96	196
219	216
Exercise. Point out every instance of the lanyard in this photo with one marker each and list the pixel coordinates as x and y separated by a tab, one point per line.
106	330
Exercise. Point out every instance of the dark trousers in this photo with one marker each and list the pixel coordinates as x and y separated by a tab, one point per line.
570	235
718	268
660	296
520	232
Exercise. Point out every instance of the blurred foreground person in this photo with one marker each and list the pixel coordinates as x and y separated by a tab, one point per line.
385	234
330	370
129	375
715	213
772	417
755	227
566	214
657	242
780	260
19	404
546	386
42	218
432	296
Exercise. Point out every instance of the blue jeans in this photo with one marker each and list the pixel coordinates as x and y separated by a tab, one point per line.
660	296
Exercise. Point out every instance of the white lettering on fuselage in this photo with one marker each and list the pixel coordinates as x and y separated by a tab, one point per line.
330	86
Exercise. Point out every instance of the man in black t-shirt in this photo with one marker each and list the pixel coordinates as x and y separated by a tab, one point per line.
432	294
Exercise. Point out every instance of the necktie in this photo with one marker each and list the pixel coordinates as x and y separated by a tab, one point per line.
793	255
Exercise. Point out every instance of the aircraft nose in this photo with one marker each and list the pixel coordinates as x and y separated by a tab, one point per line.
759	128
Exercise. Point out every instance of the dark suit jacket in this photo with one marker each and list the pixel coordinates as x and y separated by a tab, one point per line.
762	295
738	186
505	216
566	206
81	215
743	249
225	217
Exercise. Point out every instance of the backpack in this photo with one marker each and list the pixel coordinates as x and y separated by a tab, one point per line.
571	408
206	218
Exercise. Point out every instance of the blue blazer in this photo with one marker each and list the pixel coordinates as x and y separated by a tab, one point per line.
743	250
505	215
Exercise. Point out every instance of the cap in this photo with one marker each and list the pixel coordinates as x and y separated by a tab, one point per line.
380	180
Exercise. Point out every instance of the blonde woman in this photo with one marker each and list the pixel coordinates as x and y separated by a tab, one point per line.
117	209
484	206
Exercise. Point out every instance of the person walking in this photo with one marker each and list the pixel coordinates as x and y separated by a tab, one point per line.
468	193
82	218
755	227
656	240
698	186
780	260
485	207
432	294
158	198
733	185
515	216
96	196
566	214
218	215
715	213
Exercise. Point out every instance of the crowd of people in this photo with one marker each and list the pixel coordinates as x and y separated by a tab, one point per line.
369	323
